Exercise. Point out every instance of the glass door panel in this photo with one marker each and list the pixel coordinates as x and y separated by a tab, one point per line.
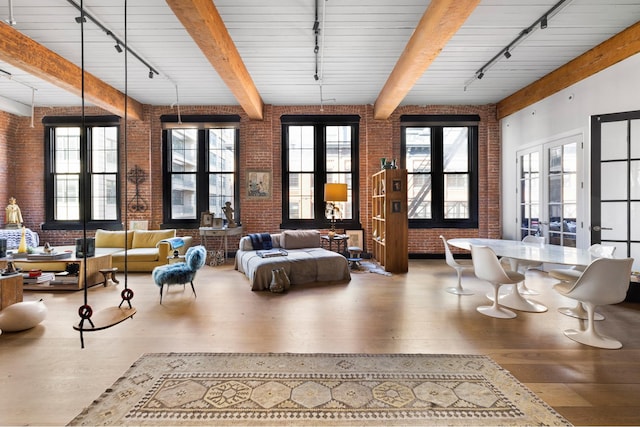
548	191
529	194
562	194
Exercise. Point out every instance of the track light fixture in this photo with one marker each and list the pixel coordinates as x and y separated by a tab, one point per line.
120	45
543	22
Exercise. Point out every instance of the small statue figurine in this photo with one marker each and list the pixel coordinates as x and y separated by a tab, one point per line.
228	211
13	217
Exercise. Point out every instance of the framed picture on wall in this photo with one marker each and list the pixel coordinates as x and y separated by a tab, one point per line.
396	185
206	219
355	238
396	206
259	184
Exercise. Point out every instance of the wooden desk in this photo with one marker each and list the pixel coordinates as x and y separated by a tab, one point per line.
219	232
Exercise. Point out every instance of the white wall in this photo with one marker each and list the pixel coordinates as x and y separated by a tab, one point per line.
614	90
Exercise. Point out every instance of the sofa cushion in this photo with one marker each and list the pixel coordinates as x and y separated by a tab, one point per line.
150	238
136	255
112	239
299	239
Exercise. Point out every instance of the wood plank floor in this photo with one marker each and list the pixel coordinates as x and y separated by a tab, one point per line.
47	378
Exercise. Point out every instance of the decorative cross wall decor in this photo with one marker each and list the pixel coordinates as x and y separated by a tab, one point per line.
137	176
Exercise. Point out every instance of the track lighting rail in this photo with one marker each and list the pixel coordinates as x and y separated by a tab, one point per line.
119	43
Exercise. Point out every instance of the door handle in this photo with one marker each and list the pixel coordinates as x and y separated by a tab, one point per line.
598	228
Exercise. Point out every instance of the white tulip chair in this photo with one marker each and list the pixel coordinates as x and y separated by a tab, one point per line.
460	266
604	281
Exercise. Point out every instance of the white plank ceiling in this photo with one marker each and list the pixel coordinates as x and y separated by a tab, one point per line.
360	42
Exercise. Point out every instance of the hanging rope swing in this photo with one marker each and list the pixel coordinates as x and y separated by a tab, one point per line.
111	316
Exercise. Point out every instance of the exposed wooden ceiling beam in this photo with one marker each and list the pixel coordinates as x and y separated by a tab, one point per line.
24	53
441	20
606	54
203	22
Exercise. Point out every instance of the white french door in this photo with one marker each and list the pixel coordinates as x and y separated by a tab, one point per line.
550	183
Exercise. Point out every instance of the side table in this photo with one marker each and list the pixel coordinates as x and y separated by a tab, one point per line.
339	239
109	274
206	232
174	259
10	290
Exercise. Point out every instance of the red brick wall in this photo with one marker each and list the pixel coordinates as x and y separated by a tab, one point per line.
22	147
8	155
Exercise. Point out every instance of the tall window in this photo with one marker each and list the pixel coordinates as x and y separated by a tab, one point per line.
82	179
440	154
200	167
319	150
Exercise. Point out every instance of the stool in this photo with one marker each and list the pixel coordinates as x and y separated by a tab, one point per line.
354	257
109	274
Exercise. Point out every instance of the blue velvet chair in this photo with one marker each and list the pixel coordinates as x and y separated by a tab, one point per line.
182	272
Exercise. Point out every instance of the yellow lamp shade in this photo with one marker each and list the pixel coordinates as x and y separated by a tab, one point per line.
334	192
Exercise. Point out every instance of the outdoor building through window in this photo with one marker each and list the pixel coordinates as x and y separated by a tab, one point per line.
440	155
82	173
200	167
319	150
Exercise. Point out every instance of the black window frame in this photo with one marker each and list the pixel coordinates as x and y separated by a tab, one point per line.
437	123
85	124
320	122
203	123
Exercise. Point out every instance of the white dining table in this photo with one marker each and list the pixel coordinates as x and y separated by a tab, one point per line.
538	252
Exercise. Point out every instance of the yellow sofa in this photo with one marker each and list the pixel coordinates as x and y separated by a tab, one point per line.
146	249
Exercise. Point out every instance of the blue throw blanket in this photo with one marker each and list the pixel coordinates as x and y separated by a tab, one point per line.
175	242
261	241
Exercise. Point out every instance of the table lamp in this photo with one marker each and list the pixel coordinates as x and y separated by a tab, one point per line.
334	192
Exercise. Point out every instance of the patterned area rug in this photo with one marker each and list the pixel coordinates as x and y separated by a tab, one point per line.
318	390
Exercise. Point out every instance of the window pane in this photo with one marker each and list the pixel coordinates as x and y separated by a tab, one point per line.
419	196
456	196
183	196
104	149
184	150
222	150
67	150
338	148
104	205
221	190
418	153
455	146
343	209
301	148
67	198
301	203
